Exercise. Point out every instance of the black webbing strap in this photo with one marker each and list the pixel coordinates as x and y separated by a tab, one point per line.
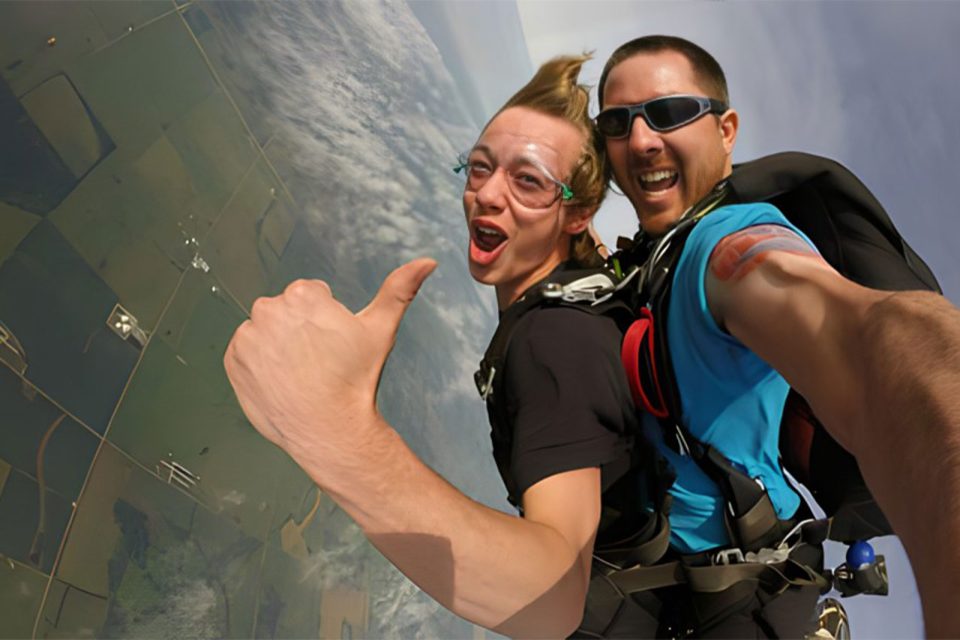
496	351
655	537
716	578
532	298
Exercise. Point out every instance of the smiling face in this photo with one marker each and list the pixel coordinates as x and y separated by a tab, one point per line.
512	246
663	174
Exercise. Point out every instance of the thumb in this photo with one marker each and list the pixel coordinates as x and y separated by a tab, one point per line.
396	293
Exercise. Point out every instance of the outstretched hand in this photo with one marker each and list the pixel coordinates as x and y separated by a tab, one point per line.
305	368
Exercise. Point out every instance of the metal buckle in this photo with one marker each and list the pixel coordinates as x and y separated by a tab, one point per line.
593	288
485	387
552	290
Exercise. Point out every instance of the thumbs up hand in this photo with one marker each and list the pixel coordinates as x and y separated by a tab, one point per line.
305	369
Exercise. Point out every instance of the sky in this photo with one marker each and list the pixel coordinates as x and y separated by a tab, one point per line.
871	84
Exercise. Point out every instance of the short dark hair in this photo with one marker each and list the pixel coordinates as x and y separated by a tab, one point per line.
708	70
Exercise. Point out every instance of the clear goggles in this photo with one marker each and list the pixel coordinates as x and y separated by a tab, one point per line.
661	114
528	179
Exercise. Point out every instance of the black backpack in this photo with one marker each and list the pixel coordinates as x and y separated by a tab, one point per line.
856	236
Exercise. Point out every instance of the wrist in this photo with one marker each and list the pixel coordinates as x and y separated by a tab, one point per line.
352	451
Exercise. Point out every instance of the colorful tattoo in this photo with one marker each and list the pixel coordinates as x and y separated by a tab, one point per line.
740	253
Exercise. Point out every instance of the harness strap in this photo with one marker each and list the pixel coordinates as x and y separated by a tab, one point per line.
751	517
775	576
656	541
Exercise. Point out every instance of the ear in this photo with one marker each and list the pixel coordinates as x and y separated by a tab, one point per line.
729	125
577	219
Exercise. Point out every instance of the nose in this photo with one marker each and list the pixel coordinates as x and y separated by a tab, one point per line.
644	140
492	194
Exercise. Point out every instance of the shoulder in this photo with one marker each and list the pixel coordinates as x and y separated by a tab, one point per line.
728	221
559	348
563	329
732	218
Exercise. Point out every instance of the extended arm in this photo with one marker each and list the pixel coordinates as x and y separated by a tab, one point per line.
305	370
522	577
882	372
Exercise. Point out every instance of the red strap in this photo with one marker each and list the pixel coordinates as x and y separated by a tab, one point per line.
630	354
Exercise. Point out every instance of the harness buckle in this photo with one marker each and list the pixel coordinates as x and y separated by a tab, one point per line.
484	386
729	556
552	290
594	288
767	555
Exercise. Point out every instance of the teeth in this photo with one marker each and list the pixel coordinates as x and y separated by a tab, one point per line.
488	232
654	176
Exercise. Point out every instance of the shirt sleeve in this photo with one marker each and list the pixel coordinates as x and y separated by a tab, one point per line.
568	399
690	321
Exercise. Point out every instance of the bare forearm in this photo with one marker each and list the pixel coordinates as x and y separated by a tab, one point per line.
908	443
502	572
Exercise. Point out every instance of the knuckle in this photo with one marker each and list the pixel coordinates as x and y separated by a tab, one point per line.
260	308
305	289
297	288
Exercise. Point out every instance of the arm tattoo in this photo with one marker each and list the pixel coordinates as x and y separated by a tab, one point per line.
740	253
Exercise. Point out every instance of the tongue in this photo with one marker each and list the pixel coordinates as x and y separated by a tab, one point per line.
660	185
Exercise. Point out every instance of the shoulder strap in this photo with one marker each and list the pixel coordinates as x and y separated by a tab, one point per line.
589	290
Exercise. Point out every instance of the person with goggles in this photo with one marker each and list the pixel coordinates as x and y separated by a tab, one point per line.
755	310
305	370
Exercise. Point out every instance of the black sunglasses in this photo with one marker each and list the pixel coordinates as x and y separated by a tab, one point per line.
661	114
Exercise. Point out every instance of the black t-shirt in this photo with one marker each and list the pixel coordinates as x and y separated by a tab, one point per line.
568	404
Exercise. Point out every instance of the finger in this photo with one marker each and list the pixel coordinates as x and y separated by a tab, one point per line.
307	298
385	311
241	378
307	289
259	309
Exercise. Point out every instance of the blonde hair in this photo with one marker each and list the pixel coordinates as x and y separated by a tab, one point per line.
554	91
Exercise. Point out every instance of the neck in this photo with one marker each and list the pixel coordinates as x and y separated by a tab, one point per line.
508	292
660	229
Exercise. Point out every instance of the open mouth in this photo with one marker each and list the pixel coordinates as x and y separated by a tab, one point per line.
487	238
654	182
486	242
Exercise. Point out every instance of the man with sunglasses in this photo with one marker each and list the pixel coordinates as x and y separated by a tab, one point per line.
751	300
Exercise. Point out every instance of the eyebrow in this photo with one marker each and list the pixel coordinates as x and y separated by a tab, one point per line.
525	157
